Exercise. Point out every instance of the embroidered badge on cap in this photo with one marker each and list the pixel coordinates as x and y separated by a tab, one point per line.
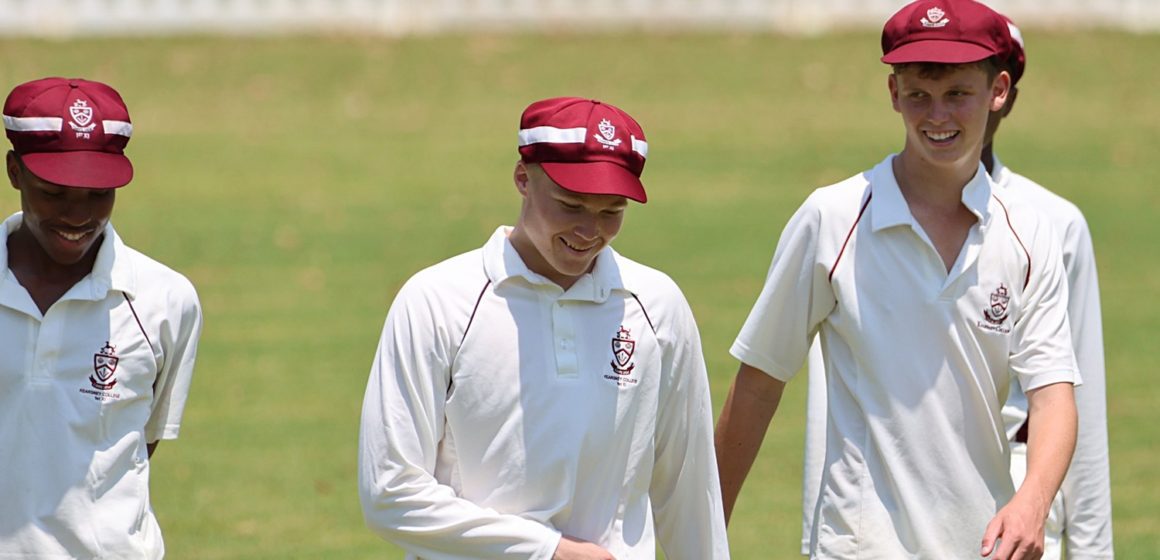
934	18
82	118
608	131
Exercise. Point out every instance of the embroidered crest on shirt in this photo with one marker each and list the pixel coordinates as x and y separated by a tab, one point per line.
997	313
623	347
104	366
995	316
103	378
607	136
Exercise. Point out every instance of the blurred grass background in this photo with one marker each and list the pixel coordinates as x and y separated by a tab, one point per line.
299	181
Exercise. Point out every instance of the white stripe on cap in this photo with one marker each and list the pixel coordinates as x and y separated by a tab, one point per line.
33	124
639	146
552	135
120	128
1015	34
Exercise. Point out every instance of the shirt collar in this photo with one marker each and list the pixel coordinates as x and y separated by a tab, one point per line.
888	208
999	172
111	270
502	263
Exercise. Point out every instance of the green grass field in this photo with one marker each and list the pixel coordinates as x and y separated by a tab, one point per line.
299	181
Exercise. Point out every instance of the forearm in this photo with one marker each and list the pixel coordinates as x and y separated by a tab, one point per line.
1051	442
752	401
411	509
401	498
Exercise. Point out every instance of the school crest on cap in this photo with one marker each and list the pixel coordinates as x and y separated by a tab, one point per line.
608	132
934	18
82	116
104	366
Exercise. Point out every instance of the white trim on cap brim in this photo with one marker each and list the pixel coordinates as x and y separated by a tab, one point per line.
120	128
553	135
33	124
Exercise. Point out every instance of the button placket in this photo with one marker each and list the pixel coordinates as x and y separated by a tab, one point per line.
564	339
47	345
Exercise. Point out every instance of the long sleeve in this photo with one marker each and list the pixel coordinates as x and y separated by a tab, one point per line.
685	489
400	440
1087	488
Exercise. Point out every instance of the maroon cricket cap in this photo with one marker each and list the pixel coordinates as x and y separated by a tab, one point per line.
585	146
1016	58
944	31
70	132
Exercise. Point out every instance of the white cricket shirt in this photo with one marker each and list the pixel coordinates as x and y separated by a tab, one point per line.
83	388
1086	491
503	411
918	359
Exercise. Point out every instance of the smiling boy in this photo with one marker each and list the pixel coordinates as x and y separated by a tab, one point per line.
544	397
98	340
929	289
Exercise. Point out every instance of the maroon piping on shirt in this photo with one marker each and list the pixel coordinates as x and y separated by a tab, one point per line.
849	235
1027	278
145	334
470	320
645	311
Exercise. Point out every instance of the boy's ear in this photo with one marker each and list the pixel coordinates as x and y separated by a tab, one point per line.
892	85
1000	88
520	177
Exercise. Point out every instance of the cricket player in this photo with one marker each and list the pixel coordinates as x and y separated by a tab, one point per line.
544	397
1081	513
98	341
929	287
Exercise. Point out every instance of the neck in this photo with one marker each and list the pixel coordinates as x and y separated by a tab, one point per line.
536	262
988	159
933	184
